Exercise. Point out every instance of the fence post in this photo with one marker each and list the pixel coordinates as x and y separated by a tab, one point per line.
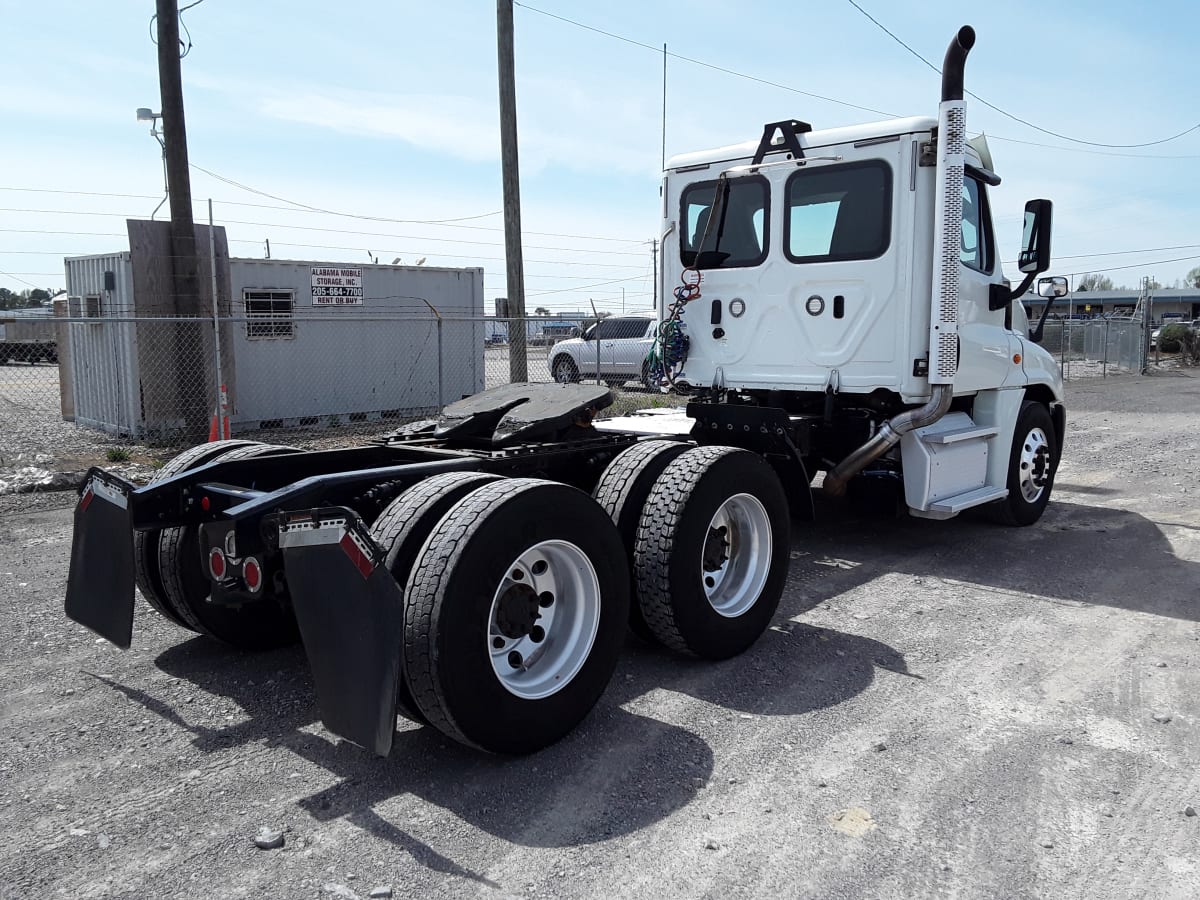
441	397
1104	361
218	382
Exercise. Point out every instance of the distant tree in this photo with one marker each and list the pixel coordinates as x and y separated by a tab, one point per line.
8	299
1193	278
1094	283
541	311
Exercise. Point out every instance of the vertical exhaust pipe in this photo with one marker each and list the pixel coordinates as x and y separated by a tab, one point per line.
943	312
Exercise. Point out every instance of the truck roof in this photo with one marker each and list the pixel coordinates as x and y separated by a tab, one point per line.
824	138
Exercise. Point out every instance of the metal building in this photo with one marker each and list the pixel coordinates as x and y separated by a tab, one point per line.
302	343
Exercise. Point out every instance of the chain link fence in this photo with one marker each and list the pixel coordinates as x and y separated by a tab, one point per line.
312	380
1088	348
331	379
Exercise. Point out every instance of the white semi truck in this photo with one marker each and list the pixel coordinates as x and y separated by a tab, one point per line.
839	309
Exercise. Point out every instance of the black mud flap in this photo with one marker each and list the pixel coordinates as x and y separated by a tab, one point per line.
100	582
351	616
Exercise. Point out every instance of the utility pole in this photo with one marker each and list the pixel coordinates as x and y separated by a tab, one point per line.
514	262
188	343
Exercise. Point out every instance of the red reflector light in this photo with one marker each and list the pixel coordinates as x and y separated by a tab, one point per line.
205	503
216	563
252	573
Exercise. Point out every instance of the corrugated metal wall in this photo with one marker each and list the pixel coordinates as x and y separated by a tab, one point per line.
380	357
103	354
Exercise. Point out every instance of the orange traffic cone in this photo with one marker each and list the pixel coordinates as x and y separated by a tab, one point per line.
220	420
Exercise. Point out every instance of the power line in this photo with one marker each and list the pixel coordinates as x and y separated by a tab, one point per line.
993	137
448	223
330	212
1155	262
1009	115
14	277
406	237
658	51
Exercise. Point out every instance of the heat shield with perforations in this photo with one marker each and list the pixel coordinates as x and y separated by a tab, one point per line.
943	318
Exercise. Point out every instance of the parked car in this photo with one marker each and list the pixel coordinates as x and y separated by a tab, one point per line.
617	346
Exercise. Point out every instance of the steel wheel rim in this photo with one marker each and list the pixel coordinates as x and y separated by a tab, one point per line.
1035	465
736	558
544	619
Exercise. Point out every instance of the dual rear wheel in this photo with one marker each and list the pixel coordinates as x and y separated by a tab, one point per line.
517	591
168	569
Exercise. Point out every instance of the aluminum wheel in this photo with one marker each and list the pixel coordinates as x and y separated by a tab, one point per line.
1035	465
737	555
544	619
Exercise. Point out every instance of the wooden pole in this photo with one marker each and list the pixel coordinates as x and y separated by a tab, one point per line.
188	345
514	262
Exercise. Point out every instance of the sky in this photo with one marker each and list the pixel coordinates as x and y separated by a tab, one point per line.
389	110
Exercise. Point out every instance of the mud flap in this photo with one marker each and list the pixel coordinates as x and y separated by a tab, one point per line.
351	616
100	581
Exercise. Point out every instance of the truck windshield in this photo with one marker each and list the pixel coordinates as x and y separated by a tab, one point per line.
739	235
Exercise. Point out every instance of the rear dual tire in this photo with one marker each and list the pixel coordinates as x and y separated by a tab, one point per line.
711	553
261	624
146	571
514	615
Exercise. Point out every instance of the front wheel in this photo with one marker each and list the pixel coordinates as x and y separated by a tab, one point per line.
564	370
712	551
515	614
1032	463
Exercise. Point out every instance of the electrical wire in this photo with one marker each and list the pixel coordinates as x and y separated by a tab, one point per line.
330	212
444	223
67	212
702	63
993	137
1016	118
14	277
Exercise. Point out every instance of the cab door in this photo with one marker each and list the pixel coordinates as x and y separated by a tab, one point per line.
987	345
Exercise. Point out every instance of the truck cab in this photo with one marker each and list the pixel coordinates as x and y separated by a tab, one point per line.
818	272
841	290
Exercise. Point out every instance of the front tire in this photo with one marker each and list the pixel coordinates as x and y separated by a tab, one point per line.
564	370
515	615
712	551
1032	462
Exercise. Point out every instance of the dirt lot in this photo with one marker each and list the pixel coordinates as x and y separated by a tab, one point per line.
940	709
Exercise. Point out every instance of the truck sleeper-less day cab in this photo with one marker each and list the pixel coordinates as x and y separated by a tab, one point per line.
839	309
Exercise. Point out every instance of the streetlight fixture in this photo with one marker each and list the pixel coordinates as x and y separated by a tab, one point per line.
144	114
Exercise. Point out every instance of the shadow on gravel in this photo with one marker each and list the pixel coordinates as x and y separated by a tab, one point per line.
1075	553
606	779
793	669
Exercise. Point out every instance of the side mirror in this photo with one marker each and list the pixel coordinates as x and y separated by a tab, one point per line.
1035	240
1051	288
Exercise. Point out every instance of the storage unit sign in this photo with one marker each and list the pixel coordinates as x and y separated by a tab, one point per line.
337	286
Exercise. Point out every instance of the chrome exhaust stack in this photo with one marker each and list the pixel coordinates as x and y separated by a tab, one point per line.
943	312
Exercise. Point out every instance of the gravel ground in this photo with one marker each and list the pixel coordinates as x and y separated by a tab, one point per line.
939	709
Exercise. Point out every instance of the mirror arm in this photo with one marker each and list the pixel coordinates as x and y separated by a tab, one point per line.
1036	334
1021	288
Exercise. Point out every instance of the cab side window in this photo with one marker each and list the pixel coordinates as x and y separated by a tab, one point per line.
978	246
